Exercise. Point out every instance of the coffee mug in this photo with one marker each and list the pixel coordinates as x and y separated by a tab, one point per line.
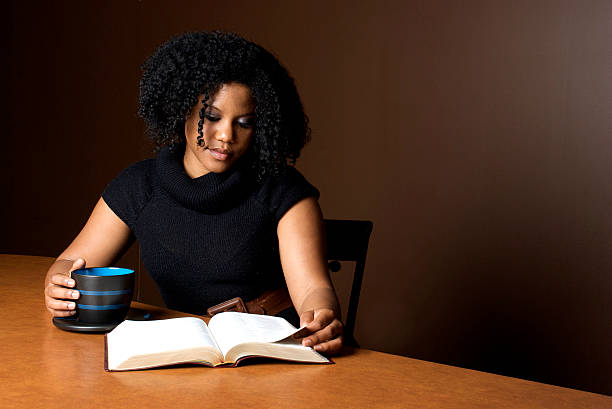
105	294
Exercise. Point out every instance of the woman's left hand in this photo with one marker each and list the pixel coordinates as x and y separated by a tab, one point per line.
324	330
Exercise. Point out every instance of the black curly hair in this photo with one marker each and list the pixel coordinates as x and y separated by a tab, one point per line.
199	63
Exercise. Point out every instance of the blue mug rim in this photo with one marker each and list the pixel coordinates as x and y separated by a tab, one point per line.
103	271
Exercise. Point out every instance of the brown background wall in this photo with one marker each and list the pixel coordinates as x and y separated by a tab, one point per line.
475	134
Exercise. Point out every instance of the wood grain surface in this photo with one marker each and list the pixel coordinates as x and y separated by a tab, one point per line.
43	366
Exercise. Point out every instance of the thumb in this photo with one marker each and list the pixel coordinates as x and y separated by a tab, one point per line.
306	317
78	263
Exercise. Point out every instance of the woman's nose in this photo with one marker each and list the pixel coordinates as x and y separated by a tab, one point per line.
225	133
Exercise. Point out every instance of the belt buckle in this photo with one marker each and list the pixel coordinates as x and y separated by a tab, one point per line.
235	304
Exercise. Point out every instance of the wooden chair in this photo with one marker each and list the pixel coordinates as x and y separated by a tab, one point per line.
347	240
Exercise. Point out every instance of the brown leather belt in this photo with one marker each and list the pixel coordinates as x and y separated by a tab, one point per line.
269	303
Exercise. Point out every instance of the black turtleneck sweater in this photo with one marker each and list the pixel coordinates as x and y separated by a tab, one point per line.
208	239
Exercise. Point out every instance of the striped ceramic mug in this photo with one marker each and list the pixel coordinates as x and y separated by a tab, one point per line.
105	294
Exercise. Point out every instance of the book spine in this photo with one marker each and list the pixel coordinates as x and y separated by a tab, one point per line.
106	354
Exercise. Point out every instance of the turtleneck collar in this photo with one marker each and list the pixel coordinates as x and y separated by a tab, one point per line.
209	193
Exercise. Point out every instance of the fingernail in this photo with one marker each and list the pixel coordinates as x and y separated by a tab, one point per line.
317	347
307	342
75	294
72	312
69	281
70	305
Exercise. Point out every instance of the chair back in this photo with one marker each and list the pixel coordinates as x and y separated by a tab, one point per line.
347	240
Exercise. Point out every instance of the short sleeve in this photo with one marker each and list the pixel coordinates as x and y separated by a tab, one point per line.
130	191
287	190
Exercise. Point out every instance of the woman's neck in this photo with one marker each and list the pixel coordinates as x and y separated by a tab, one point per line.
193	167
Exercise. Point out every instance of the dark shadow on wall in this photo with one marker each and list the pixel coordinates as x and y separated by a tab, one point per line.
504	297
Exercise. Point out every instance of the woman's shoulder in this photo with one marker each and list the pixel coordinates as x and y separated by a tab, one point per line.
130	191
140	169
138	175
280	193
290	178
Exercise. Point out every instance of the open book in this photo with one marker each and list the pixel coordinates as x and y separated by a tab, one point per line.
228	338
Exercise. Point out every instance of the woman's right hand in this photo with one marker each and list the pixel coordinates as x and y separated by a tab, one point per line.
59	292
100	242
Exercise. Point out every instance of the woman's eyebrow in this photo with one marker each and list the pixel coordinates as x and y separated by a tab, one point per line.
251	113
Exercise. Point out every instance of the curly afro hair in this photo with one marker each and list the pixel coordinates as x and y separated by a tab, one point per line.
195	64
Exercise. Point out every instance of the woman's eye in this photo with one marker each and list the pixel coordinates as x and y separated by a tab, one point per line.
211	118
246	124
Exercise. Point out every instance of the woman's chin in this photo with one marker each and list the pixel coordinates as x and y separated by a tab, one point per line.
219	167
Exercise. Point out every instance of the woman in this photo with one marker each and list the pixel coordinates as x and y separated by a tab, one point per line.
220	209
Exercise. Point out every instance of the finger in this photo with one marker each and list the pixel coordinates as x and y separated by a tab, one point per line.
78	263
330	347
63	280
324	335
309	323
54	291
322	318
330	331
56	313
59	305
306	318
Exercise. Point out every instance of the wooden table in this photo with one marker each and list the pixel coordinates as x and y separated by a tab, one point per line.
43	366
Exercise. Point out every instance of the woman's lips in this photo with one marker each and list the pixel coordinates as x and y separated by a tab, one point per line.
219	154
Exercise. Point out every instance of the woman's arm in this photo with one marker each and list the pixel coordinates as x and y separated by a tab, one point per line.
302	253
99	243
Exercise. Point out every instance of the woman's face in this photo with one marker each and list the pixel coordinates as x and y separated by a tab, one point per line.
227	130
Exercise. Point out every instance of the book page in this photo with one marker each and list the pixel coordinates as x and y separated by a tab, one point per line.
289	349
233	328
138	338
